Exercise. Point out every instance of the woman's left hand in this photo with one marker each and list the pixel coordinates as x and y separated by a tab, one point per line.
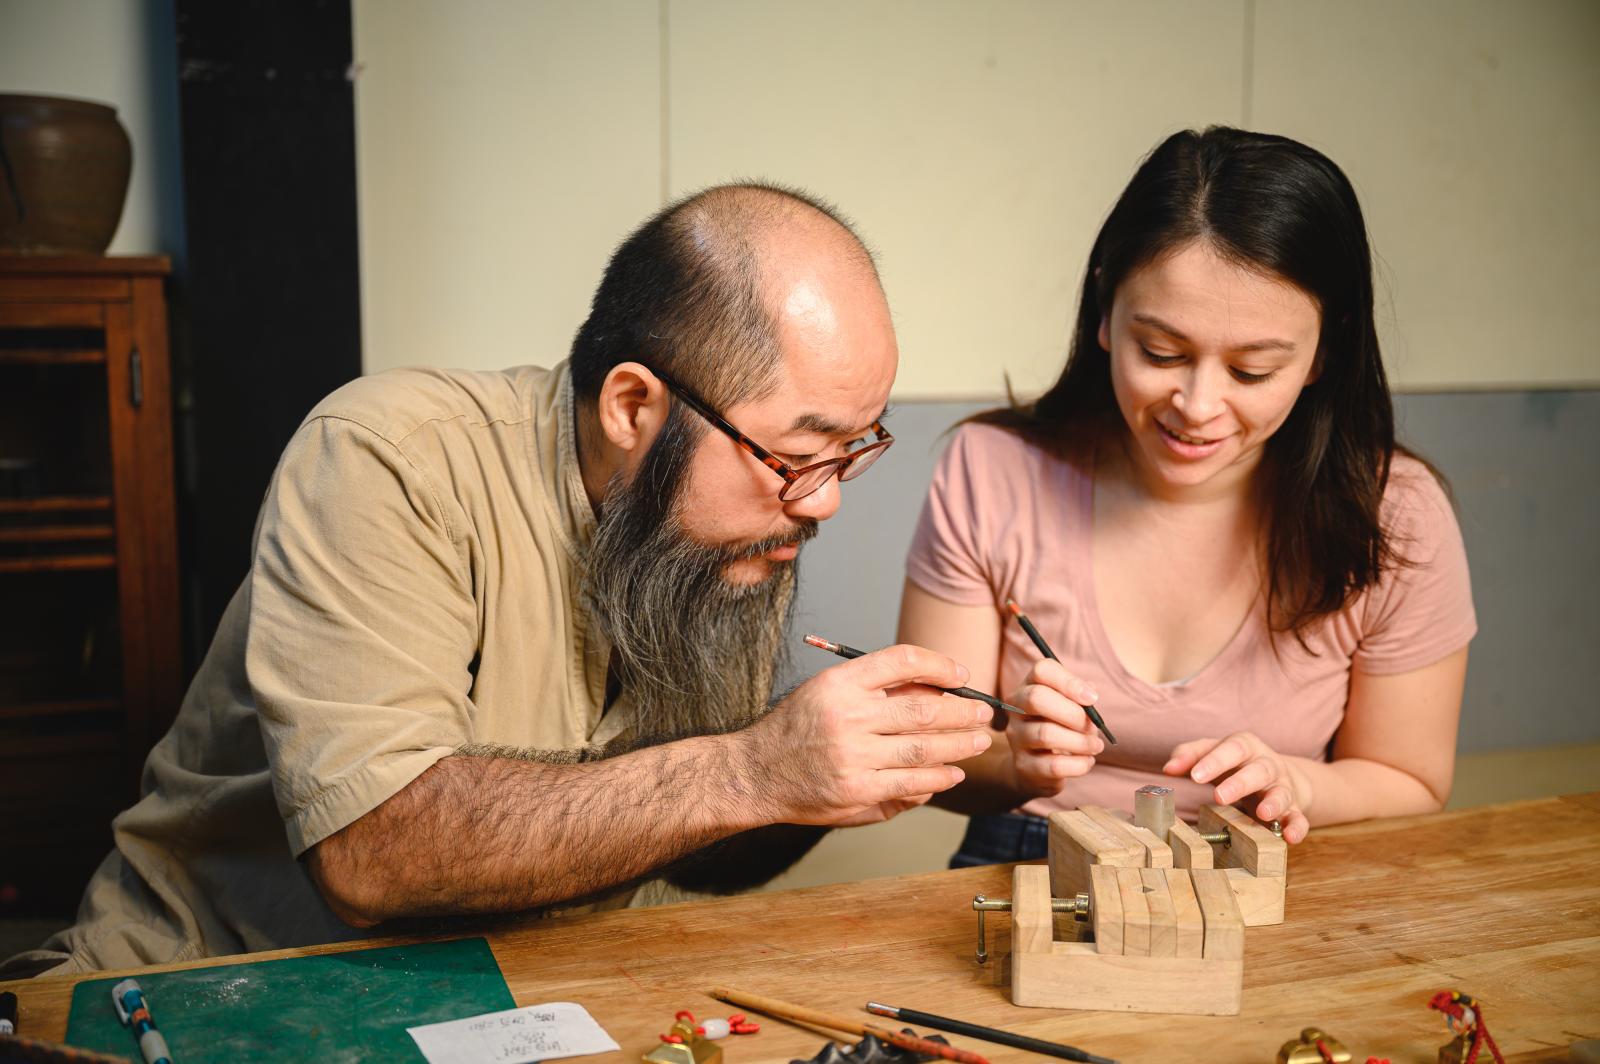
1244	765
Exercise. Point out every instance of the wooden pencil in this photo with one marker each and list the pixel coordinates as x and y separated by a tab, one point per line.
783	1010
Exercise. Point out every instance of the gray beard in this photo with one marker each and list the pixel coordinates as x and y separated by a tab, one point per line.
695	654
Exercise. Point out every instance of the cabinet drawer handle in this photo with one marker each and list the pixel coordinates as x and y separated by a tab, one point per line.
135	378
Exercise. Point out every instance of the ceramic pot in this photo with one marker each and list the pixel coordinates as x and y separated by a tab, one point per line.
64	168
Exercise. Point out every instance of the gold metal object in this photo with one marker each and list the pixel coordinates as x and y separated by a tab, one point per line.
1458	1049
695	1048
1304	1051
1078	905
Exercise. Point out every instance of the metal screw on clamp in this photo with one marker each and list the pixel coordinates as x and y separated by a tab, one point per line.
982	904
1225	837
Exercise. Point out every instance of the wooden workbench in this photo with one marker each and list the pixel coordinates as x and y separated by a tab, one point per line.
1501	902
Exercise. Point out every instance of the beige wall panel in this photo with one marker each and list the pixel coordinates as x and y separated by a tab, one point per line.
1471	130
977	145
504	149
103	50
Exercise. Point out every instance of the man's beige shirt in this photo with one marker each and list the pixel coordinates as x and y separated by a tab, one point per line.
414	589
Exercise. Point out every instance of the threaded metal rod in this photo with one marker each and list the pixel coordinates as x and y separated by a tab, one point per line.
983	904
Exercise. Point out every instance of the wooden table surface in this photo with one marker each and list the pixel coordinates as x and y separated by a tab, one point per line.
1501	902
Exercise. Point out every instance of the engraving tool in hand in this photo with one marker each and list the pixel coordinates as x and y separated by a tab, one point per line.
960	692
1044	648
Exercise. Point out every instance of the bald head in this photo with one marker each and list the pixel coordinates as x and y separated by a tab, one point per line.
705	289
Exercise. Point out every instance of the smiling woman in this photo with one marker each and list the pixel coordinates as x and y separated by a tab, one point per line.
1209	519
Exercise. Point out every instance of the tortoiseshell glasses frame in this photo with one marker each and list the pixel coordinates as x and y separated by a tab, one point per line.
797	483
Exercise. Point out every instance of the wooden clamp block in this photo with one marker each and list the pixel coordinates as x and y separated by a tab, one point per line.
1253	847
1154	853
1190	924
1105	913
1032	923
1135	912
1188	918
1189	850
1256	861
1219	909
1163	914
1077	843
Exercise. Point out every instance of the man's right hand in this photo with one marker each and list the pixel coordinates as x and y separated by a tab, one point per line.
864	740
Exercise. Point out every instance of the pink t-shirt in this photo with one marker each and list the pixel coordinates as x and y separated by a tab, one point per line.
1004	518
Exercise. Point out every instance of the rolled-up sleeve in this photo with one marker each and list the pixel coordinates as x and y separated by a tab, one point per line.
363	627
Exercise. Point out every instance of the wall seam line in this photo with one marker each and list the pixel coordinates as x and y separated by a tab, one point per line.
664	29
1247	87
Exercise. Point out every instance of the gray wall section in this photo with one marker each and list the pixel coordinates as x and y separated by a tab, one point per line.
1525	470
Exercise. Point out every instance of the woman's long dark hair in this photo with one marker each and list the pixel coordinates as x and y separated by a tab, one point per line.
1284	210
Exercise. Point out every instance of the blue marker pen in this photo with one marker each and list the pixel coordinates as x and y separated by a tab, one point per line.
134	1011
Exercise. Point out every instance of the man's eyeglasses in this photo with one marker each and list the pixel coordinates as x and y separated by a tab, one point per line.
797	483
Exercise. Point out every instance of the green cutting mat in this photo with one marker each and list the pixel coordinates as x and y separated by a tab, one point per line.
330	1008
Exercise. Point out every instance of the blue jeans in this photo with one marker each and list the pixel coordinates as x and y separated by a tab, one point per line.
1002	837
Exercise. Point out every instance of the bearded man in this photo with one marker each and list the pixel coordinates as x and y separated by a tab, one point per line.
508	640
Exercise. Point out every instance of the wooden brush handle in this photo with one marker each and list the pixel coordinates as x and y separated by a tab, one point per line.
923	1045
787	1011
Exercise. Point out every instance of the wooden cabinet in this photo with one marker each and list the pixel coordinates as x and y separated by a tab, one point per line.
89	619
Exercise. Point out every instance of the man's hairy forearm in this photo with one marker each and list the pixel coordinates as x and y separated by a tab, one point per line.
495	834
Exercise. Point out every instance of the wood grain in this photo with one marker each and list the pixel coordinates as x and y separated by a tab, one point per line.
1224	926
1105	982
1107	909
1191	926
1078	842
1032	924
1163	914
1499	902
1261	898
1135	913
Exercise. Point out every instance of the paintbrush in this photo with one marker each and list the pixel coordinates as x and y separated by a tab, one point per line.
988	1034
960	692
1044	648
800	1014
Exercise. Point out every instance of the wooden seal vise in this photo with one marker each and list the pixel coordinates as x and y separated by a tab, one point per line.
1165	907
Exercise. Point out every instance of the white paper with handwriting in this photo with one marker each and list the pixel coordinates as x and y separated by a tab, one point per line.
534	1032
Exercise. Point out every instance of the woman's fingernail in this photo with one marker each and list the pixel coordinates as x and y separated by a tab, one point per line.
1091	694
963	672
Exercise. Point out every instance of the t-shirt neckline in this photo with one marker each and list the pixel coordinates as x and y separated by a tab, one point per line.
1111	661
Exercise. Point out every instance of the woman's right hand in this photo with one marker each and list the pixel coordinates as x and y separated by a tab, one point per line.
1056	741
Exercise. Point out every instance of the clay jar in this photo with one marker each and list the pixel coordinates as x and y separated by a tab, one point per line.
64	168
